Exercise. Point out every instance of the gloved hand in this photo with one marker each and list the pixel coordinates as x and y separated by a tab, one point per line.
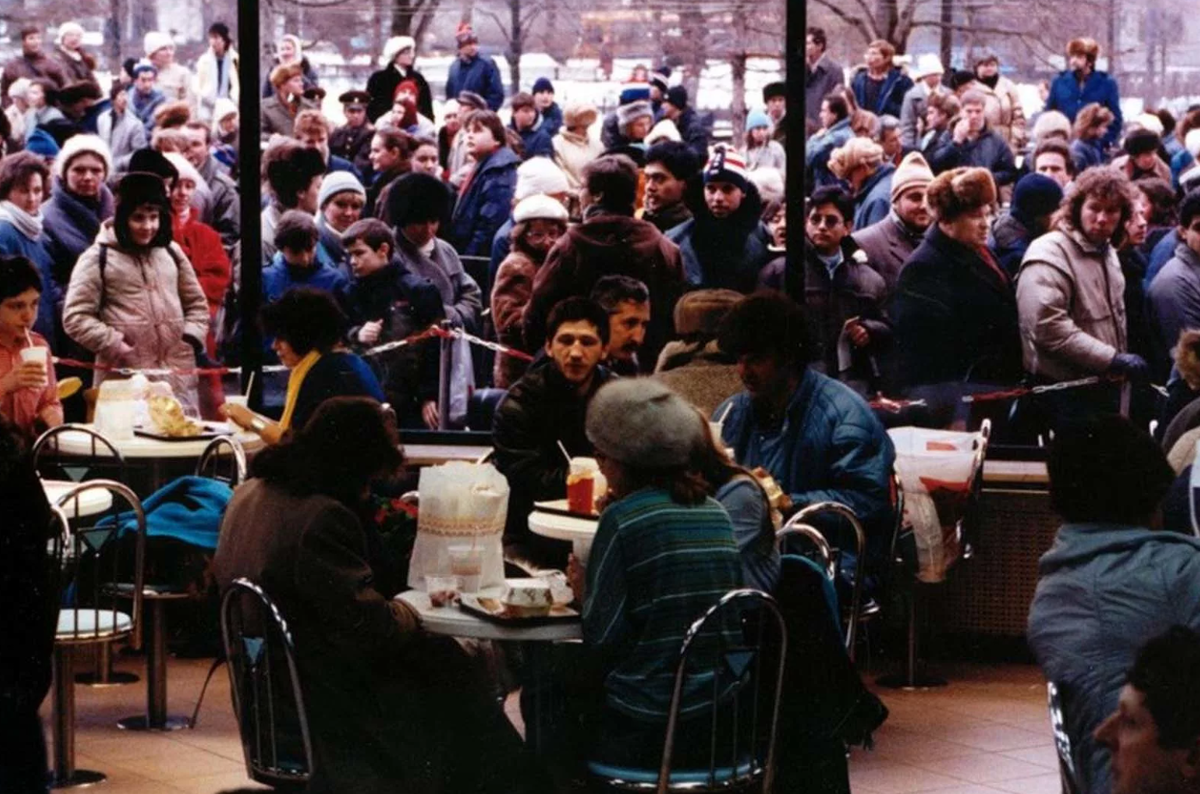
202	359
1131	365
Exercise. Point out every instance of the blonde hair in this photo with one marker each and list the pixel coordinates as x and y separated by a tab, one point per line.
856	152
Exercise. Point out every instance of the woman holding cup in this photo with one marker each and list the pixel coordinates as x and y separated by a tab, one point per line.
28	389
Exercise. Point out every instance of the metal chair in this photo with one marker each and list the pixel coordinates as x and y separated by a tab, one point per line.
1062	742
215	454
856	613
259	650
826	565
89	554
742	667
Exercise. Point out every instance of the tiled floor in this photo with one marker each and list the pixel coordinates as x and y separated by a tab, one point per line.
986	732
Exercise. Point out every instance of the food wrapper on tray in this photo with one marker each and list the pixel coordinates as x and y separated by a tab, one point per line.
462	504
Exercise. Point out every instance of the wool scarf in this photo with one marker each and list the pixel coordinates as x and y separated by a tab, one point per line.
26	224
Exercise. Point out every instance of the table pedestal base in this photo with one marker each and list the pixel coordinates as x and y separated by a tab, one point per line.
103	675
155	718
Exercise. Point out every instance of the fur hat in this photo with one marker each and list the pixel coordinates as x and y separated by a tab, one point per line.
634	110
83	144
539	175
18	88
172	114
539	207
186	170
580	114
699	313
641	422
1086	47
1051	123
1141	141
79	91
634	92
1149	121
41	143
726	165
66	29
417	197
773	90
927	64
135	189
1187	358
284	72
769	182
664	130
1192	142
960	190
149	161
913	171
394	46
856	152
465	34
155	40
338	182
677	97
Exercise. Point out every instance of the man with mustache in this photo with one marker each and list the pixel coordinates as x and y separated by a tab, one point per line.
627	302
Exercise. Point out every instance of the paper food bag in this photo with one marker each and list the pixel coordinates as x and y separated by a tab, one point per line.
461	503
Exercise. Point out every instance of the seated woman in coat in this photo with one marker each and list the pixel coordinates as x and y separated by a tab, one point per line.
307	327
390	708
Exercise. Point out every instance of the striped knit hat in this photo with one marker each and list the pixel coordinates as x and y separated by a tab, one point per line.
726	165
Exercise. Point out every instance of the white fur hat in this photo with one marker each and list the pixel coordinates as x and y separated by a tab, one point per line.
539	207
394	46
83	144
18	88
155	40
68	28
664	130
186	170
539	175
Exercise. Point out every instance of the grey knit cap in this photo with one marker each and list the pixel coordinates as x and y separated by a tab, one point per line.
641	422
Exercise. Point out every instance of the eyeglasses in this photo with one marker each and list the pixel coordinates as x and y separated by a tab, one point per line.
829	221
538	237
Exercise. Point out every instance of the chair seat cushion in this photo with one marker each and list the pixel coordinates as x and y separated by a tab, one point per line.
722	774
91	624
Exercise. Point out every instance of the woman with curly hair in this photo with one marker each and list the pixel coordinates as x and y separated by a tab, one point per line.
1091	125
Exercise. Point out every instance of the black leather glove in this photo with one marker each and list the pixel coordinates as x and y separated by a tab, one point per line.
1131	365
202	359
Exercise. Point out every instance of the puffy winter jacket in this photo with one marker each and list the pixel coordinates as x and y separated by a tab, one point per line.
279	277
150	300
1103	591
725	253
830	448
988	151
485	205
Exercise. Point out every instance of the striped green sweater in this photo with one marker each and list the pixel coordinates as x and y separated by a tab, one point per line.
655	567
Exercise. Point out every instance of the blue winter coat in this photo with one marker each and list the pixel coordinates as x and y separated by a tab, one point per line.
1067	97
891	93
13	243
144	107
874	199
187	509
537	142
278	277
552	120
1103	591
830	448
486	204
707	267
818	149
1173	303
342	164
480	75
1160	255
1086	154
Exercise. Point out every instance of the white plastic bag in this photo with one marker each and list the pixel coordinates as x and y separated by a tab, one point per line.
937	469
461	504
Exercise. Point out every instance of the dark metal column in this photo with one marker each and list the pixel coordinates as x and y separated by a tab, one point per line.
249	186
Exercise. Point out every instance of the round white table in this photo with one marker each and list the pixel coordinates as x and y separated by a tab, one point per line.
89	503
141	447
579	531
454	622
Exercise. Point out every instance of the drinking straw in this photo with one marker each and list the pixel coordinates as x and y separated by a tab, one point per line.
725	413
28	337
250	384
566	454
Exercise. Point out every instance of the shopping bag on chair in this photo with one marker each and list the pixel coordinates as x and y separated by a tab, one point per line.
937	470
462	504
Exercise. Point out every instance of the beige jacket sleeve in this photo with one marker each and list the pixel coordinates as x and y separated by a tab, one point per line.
81	310
1047	328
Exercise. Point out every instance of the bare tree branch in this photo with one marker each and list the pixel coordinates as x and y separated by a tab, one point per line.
853	22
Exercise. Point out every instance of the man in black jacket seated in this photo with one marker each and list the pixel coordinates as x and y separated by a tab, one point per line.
546	406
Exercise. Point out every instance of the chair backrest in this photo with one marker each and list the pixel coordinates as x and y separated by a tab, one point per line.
1062	742
795	528
860	546
265	683
224	460
102	566
90	456
743	667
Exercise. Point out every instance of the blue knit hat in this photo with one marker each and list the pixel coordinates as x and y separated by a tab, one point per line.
41	143
1034	196
757	118
543	84
636	92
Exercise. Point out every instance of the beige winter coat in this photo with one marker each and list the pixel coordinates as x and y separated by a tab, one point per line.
148	301
572	152
1071	306
1004	112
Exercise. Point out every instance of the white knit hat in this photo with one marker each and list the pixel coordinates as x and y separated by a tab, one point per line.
83	144
1148	121
186	170
539	207
155	40
394	46
664	130
67	28
927	63
19	88
338	182
539	175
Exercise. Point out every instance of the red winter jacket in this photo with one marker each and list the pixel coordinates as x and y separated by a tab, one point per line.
203	247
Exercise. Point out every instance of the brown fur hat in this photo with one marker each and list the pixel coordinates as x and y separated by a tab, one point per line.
1086	47
284	72
960	190
698	314
1187	358
172	114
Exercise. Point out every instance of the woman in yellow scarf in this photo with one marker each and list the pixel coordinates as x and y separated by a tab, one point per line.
308	328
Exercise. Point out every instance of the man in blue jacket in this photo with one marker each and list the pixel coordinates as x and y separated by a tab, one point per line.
1111	581
1082	84
815	436
880	87
471	72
